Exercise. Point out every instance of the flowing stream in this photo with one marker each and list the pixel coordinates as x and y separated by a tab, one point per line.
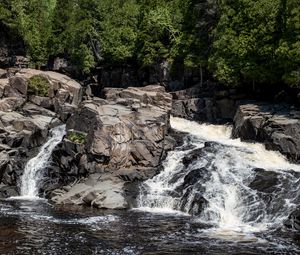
215	196
232	186
33	171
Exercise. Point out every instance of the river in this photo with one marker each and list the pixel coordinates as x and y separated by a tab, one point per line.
215	195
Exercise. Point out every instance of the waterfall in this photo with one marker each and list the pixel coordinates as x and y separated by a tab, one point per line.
226	183
33	171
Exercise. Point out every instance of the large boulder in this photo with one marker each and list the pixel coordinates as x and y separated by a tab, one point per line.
127	130
277	126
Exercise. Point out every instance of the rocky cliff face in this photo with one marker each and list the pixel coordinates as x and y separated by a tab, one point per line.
25	119
209	103
110	144
125	139
277	126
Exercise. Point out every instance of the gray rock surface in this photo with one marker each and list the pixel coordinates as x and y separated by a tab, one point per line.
126	139
205	105
97	190
277	126
25	119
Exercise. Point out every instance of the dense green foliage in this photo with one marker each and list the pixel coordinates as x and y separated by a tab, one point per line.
38	86
238	41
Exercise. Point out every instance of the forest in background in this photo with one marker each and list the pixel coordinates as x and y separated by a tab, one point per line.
239	42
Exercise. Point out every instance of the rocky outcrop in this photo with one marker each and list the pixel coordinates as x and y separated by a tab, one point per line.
124	136
277	126
26	118
206	103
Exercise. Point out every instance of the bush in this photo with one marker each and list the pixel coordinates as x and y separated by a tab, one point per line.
76	137
39	86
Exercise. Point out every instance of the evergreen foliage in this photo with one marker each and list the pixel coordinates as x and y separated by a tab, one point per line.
239	41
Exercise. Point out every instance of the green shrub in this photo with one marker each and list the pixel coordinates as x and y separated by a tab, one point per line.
38	85
76	137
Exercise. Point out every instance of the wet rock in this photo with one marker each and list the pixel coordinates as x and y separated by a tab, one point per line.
194	176
98	190
192	157
8	191
264	181
193	202
293	222
4	160
274	125
192	109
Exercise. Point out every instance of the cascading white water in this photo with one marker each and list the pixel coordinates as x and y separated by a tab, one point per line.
227	168
33	169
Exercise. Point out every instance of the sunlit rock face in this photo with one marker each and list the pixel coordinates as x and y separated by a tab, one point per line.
27	116
277	126
126	135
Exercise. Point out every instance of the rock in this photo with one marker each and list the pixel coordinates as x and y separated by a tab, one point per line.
25	122
124	141
20	61
59	64
3	73
293	222
44	102
192	109
4	160
226	108
32	109
265	181
194	176
8	191
126	133
28	131
274	125
63	87
19	83
11	104
3	84
12	92
100	191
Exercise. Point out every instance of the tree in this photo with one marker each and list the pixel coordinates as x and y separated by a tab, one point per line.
288	51
34	20
246	38
159	31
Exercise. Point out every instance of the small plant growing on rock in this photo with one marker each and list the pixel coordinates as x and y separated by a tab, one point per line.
38	86
77	137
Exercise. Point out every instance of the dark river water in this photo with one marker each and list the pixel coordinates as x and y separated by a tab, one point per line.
36	227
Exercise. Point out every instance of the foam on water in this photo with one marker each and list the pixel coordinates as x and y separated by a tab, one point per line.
232	207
